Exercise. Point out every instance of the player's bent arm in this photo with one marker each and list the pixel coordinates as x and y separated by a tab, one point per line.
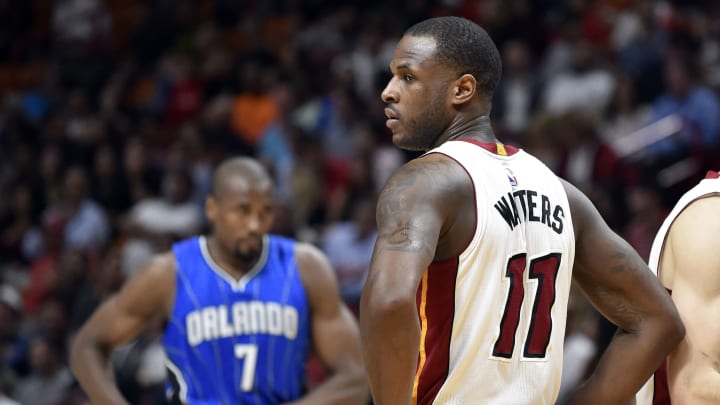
694	260
122	317
410	217
335	333
621	286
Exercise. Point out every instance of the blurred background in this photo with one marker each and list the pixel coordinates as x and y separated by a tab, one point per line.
113	114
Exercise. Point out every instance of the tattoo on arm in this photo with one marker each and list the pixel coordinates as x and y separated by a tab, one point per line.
624	260
624	267
401	224
618	310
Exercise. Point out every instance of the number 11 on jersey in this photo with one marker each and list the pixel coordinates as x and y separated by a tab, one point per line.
545	270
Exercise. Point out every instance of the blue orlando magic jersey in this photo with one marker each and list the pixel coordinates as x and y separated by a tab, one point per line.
237	341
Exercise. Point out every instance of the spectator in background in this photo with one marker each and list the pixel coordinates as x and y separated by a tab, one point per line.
638	40
107	183
518	94
45	247
306	181
369	57
349	245
153	224
694	102
586	85
625	114
356	185
183	93
587	160
580	347
87	226
4	399
102	279
194	156
340	125
19	219
10	317
10	322
275	145
647	210
140	179
51	169
82	41
50	379
254	109
49	322
70	274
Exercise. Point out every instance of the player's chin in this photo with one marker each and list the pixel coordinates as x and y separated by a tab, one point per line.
247	255
406	143
248	249
400	140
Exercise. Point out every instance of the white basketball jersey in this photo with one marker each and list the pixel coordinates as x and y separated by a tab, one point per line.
655	391
493	319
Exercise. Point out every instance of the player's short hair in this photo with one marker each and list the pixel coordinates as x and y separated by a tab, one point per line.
464	47
248	168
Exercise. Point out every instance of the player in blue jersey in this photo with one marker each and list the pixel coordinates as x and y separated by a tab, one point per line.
242	309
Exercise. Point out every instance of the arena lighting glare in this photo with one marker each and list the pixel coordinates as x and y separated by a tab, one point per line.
635	142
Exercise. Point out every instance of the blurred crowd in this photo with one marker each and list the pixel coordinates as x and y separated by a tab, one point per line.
113	114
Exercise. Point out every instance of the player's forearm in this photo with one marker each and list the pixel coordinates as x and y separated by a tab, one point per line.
391	338
346	386
628	362
88	363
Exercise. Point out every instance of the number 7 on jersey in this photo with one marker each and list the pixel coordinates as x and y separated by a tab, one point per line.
545	270
249	354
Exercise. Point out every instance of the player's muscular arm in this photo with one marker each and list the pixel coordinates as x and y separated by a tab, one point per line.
122	317
621	286
335	334
412	209
692	256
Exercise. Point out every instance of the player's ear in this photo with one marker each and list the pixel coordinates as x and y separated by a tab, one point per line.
211	208
464	89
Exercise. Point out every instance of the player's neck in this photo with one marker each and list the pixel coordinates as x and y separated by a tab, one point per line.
234	266
477	127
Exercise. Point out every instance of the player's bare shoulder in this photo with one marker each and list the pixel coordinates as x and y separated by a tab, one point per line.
433	175
433	189
153	285
315	271
691	246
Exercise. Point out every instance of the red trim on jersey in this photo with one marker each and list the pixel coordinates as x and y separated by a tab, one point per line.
712	175
492	146
439	313
661	391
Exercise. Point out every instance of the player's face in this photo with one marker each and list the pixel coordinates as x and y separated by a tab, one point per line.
417	95
241	214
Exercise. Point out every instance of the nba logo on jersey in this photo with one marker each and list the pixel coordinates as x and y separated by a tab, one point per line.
511	177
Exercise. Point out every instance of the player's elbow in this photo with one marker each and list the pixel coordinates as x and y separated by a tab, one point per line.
676	327
78	347
382	303
670	327
83	346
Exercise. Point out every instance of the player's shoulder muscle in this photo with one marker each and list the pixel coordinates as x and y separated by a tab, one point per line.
152	287
316	273
692	241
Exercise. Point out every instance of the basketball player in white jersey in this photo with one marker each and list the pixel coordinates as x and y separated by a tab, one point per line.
686	258
466	298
